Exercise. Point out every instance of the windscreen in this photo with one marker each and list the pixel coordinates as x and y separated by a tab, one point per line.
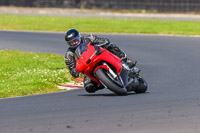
80	49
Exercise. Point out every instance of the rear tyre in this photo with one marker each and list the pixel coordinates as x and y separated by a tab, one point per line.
142	88
109	83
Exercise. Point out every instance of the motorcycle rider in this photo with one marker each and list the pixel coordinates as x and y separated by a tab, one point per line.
73	39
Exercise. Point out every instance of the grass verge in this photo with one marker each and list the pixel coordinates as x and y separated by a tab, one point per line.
98	25
24	73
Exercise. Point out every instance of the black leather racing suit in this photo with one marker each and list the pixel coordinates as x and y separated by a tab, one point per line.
70	61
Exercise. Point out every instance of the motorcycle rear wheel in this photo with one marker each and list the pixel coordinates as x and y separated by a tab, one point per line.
109	83
142	88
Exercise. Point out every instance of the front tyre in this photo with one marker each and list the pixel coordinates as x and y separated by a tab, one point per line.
112	85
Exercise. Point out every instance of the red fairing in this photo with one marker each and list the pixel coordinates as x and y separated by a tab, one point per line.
101	66
89	59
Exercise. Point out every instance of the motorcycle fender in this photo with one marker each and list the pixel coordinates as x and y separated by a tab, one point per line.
101	66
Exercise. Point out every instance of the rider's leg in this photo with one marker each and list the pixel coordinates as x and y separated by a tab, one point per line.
115	50
90	86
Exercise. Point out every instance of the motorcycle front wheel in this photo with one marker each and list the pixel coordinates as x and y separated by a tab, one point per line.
114	85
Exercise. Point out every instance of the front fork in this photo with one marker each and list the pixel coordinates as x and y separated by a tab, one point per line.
127	75
110	71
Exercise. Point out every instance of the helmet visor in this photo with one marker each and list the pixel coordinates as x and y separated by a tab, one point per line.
75	41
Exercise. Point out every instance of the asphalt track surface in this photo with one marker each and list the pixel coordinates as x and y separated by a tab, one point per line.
172	104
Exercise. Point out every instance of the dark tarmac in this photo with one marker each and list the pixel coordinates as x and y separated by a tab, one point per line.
170	65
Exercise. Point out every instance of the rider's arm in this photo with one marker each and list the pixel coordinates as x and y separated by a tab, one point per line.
97	40
71	63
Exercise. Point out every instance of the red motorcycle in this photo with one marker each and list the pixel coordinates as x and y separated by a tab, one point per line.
106	69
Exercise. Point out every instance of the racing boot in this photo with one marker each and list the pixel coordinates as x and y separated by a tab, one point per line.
134	72
130	63
90	86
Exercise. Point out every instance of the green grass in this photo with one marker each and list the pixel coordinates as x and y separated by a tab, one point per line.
24	73
98	25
